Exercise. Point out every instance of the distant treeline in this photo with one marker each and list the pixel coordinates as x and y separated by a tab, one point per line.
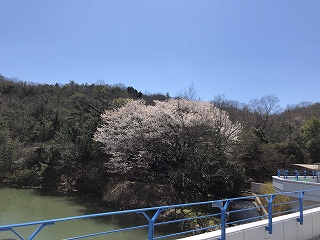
46	134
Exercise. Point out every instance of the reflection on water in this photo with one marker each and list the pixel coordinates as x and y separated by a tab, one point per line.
26	205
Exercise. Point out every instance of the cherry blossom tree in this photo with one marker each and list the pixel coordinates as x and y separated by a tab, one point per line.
181	142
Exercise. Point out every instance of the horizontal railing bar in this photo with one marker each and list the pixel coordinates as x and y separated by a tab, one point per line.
186	219
185	232
107	232
244	220
242	210
132	211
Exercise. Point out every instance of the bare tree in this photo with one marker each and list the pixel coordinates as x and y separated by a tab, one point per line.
264	108
190	93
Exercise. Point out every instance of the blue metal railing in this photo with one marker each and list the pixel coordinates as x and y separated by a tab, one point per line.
299	174
216	213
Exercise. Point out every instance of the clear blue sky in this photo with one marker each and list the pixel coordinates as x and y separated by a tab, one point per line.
242	49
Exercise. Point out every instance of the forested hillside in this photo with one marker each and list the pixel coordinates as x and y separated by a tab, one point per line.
48	139
46	132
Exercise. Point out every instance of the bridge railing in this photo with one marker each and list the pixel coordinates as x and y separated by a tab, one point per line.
214	215
299	174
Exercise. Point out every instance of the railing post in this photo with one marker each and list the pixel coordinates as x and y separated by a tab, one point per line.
270	200
300	219
17	234
317	177
39	229
151	223
223	209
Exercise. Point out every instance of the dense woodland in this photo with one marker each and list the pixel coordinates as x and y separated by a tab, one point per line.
47	141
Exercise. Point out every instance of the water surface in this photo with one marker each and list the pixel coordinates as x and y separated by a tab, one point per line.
27	205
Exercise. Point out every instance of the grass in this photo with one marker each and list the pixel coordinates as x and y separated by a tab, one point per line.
280	202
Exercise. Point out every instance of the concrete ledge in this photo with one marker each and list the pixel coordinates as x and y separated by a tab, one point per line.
288	185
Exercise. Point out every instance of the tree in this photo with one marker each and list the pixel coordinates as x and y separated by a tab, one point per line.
179	142
311	135
190	93
264	108
8	154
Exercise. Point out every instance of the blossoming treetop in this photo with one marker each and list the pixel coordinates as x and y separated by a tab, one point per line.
179	142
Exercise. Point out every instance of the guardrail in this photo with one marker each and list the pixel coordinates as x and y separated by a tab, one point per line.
206	216
299	174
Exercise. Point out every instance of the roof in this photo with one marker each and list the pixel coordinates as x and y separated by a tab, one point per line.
314	166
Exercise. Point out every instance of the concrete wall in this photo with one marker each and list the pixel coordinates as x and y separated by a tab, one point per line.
256	187
286	185
284	228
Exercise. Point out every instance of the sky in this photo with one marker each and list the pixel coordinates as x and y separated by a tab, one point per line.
243	50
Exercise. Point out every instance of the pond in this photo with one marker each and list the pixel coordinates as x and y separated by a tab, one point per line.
26	205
